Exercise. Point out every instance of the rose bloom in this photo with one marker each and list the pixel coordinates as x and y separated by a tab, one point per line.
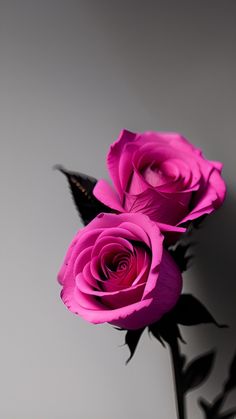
162	175
117	271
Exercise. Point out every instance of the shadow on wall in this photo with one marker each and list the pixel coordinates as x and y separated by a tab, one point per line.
215	284
216	260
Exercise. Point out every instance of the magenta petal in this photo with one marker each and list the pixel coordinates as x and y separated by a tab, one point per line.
116	285
114	155
82	259
218	165
107	195
211	199
125	164
162	175
160	207
114	242
164	297
84	286
123	298
129	317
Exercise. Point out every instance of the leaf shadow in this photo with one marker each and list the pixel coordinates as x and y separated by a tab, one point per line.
215	409
214	277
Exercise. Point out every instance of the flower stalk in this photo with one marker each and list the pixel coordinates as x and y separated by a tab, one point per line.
177	374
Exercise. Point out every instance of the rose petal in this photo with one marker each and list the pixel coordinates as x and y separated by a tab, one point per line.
114	155
107	195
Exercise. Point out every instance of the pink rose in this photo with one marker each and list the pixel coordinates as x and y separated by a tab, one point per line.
117	271
161	175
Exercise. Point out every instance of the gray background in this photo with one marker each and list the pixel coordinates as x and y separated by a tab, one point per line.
73	74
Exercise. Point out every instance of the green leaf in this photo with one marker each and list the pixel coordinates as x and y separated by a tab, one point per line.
197	371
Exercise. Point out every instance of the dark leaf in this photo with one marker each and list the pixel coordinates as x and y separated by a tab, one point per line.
231	414
198	371
217	404
82	187
197	223
156	333
179	254
166	330
212	410
231	382
189	311
132	338
206	407
182	361
194	224
210	414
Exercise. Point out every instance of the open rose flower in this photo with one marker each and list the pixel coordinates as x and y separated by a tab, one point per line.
161	175
117	271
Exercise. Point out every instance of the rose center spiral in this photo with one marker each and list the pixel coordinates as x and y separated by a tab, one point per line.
157	174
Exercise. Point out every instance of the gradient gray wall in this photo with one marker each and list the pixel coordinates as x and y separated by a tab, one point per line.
73	73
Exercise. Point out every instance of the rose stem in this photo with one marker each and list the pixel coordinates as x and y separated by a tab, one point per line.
177	373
